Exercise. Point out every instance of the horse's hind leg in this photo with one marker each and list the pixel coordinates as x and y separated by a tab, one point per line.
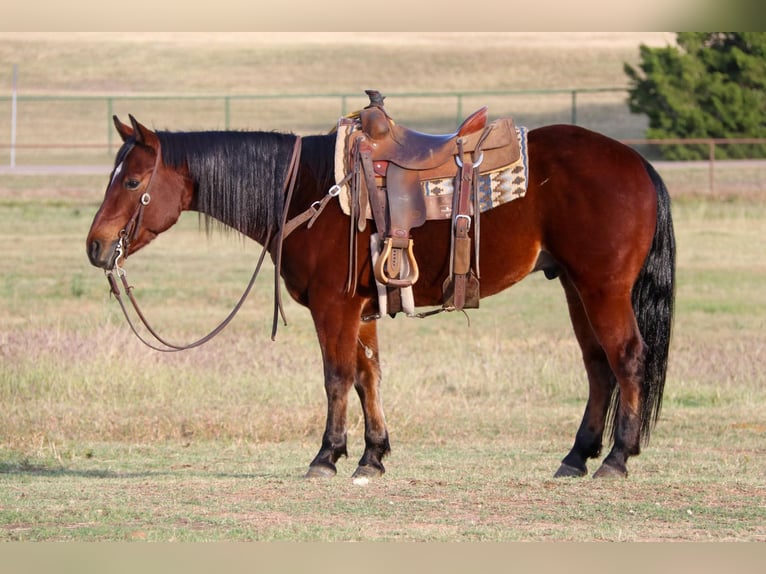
614	324
588	440
367	385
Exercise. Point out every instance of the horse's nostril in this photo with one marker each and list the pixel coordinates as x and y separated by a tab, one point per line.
94	251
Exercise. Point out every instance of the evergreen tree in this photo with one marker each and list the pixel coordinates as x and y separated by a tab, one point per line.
710	85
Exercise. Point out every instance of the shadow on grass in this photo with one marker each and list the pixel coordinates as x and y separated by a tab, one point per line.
27	468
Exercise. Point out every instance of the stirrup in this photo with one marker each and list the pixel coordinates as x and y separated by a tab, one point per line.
382	264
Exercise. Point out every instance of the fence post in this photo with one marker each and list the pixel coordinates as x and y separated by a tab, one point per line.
574	107
109	128
13	115
711	175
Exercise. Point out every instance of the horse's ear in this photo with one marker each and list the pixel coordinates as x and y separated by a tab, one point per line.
143	135
124	130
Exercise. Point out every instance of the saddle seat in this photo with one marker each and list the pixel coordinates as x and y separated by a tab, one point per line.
408	148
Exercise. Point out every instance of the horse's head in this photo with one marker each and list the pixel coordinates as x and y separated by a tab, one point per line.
143	198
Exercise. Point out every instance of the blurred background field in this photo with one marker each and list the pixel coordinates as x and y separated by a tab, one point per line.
70	85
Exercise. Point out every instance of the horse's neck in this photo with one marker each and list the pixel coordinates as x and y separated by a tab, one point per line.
246	198
316	174
241	193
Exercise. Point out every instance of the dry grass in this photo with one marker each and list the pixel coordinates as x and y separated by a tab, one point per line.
102	439
318	62
211	444
259	64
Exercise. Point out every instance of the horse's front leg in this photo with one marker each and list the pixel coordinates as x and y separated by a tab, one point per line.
367	385
337	326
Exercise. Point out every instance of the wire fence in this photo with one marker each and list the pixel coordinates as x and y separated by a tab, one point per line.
34	126
78	130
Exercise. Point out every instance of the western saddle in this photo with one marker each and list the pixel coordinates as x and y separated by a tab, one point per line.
388	165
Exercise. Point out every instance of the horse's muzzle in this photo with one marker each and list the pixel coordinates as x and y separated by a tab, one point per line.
102	256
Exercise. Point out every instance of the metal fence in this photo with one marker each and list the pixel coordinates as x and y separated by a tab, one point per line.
33	127
74	130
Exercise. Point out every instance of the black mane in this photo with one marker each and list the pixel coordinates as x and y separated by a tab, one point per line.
239	176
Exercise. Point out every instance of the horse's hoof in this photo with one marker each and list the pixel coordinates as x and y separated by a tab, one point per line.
609	471
569	471
367	471
321	471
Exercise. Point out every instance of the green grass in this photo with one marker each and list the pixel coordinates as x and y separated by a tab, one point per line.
244	491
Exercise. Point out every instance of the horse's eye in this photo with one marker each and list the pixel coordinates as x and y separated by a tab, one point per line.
132	184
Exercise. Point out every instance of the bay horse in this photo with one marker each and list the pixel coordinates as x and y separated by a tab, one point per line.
596	216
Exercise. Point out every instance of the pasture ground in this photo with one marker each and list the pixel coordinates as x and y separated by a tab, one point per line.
104	440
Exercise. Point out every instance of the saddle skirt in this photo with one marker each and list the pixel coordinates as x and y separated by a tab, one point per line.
502	175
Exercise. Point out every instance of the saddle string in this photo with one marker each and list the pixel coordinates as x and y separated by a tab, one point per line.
361	219
477	203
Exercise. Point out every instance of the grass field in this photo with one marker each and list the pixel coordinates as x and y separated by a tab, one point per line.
105	440
102	439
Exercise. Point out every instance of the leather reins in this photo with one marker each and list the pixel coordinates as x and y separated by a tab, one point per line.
117	274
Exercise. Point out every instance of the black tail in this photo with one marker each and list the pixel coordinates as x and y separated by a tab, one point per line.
653	302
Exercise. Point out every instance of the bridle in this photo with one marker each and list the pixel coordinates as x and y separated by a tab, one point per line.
117	275
129	232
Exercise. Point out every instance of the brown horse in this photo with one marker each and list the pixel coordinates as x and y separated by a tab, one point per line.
596	216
